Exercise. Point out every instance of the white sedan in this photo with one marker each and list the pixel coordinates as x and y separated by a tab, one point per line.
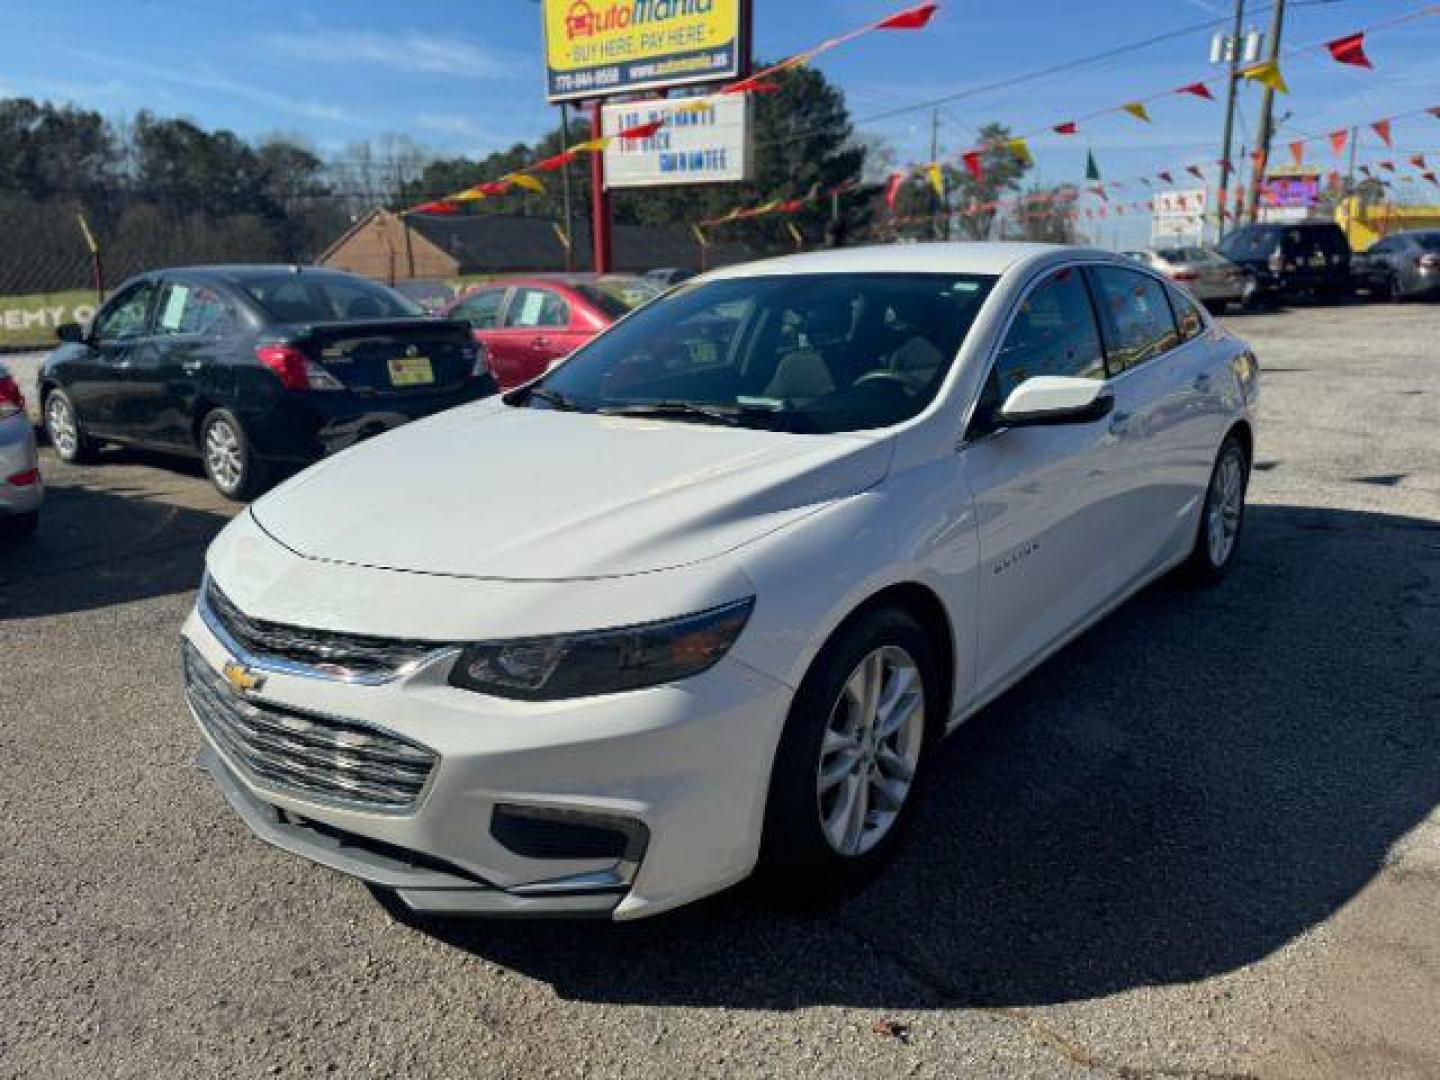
703	598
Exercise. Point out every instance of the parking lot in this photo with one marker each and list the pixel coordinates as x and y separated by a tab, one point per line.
1201	841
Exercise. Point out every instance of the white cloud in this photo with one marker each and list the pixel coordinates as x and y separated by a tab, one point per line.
412	52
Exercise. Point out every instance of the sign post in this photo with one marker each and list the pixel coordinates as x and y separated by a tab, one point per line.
600	217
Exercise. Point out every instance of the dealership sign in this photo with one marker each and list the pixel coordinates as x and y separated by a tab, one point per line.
1179	215
703	141
599	47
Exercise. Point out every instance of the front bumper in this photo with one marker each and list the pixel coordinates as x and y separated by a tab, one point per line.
686	765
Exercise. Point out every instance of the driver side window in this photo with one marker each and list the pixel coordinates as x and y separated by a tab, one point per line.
126	317
1053	333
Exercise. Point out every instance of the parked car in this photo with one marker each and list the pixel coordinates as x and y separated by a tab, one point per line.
734	589
429	296
1400	267
527	323
1304	259
1211	278
258	370
21	489
665	276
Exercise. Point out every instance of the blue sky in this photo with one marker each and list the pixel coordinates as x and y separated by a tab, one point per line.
466	77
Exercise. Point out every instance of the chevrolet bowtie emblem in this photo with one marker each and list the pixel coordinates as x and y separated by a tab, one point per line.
241	677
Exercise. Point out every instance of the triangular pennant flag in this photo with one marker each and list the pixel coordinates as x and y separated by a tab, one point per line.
1067	128
1258	160
1198	89
1388	166
1431	177
1147	181
522	180
1167	178
1332	178
1338	140
971	158
1092	170
440	206
1267	74
1137	110
559	161
892	189
1434	111
910	19
1350	50
1418	161
1297	151
1194	170
700	237
591	146
641	131
1382	128
1021	150
936	176
1099	190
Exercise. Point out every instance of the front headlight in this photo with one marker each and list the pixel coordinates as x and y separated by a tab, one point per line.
601	661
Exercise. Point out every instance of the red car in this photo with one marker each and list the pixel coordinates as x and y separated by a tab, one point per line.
527	323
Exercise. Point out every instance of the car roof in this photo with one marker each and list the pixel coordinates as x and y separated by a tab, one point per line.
239	273
942	257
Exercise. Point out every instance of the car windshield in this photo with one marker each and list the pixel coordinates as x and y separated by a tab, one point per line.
1250	244
302	297
795	352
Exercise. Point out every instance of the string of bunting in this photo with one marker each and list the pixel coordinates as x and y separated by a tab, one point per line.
916	17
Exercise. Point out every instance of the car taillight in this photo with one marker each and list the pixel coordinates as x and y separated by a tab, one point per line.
296	370
12	401
24	479
1428	262
1184	275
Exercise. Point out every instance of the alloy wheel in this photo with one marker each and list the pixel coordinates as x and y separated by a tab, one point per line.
223	455
60	424
870	750
1227	503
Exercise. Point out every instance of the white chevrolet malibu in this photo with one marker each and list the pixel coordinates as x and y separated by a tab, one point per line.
703	598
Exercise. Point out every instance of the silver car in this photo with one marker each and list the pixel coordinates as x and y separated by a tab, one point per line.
1213	279
21	491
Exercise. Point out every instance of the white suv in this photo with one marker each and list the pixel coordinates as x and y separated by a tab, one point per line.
704	596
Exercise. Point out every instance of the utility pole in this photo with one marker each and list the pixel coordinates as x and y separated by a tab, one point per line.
1227	170
1267	109
934	154
1350	174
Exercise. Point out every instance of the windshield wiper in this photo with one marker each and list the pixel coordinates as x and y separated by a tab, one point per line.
554	398
729	415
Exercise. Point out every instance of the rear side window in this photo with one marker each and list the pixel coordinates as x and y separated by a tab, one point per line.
192	309
1187	316
1138	322
536	308
482	310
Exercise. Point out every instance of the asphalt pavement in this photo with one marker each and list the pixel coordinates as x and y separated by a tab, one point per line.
1201	841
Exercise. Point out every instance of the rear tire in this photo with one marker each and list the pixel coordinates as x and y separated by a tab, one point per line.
65	430
1222	518
229	458
19	526
850	763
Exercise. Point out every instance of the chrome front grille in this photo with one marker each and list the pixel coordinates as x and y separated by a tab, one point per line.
301	650
303	754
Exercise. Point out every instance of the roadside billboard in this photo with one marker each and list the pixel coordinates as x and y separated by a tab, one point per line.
704	141
595	48
1179	216
1289	195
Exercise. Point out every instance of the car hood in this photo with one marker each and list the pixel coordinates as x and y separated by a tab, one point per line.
491	491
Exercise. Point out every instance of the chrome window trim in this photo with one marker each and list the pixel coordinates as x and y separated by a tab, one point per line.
276	665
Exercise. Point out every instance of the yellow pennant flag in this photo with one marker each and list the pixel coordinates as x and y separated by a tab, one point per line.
561	235
1021	150
1267	74
1137	110
526	181
795	234
767	207
473	194
591	146
936	178
700	237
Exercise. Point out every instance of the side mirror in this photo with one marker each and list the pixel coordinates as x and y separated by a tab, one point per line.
69	331
1056	399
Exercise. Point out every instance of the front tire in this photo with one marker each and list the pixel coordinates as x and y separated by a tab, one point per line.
851	759
1223	516
229	459
65	431
19	526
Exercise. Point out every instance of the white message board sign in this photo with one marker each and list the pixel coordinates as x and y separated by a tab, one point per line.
703	141
1179	215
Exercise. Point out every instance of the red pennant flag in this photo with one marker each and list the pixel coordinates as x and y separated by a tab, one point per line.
892	189
1194	170
972	163
1418	161
1150	205
1067	128
1165	176
440	206
1382	128
1297	151
1431	177
1434	111
1338	140
1199	89
1258	160
791	205
1350	50
910	19
642	131
559	161
1388	166
1332	178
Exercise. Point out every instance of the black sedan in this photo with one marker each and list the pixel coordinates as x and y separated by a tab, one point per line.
1402	266
258	370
